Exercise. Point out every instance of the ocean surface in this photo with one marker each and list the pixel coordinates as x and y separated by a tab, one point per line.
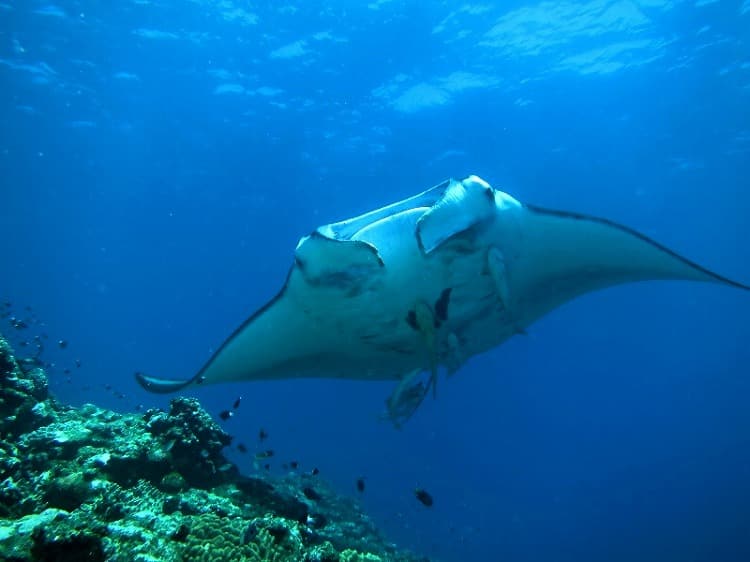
159	161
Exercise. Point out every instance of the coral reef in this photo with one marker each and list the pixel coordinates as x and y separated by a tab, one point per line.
90	484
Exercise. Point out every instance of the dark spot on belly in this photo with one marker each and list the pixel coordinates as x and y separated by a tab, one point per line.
441	306
411	319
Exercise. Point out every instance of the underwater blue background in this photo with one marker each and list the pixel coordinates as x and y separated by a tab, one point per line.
160	159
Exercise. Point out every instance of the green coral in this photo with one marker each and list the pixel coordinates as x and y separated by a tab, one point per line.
265	549
51	535
194	441
67	491
90	484
173	482
353	556
214	539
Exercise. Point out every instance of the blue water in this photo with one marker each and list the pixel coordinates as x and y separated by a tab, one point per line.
159	161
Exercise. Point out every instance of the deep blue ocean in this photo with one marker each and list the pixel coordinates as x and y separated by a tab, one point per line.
160	159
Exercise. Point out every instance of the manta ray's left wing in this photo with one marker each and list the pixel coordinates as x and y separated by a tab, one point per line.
560	255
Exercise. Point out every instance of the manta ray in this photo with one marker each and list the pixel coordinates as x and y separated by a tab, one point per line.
426	283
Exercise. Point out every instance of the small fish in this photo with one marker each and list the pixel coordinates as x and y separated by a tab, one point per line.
268	453
241	448
250	533
237	403
30	362
423	496
405	399
314	471
360	484
262	435
293	465
267	466
78	363
311	494
62	344
316	520
18	324
107	387
181	533
226	414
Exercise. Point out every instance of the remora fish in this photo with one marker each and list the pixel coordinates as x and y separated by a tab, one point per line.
427	282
